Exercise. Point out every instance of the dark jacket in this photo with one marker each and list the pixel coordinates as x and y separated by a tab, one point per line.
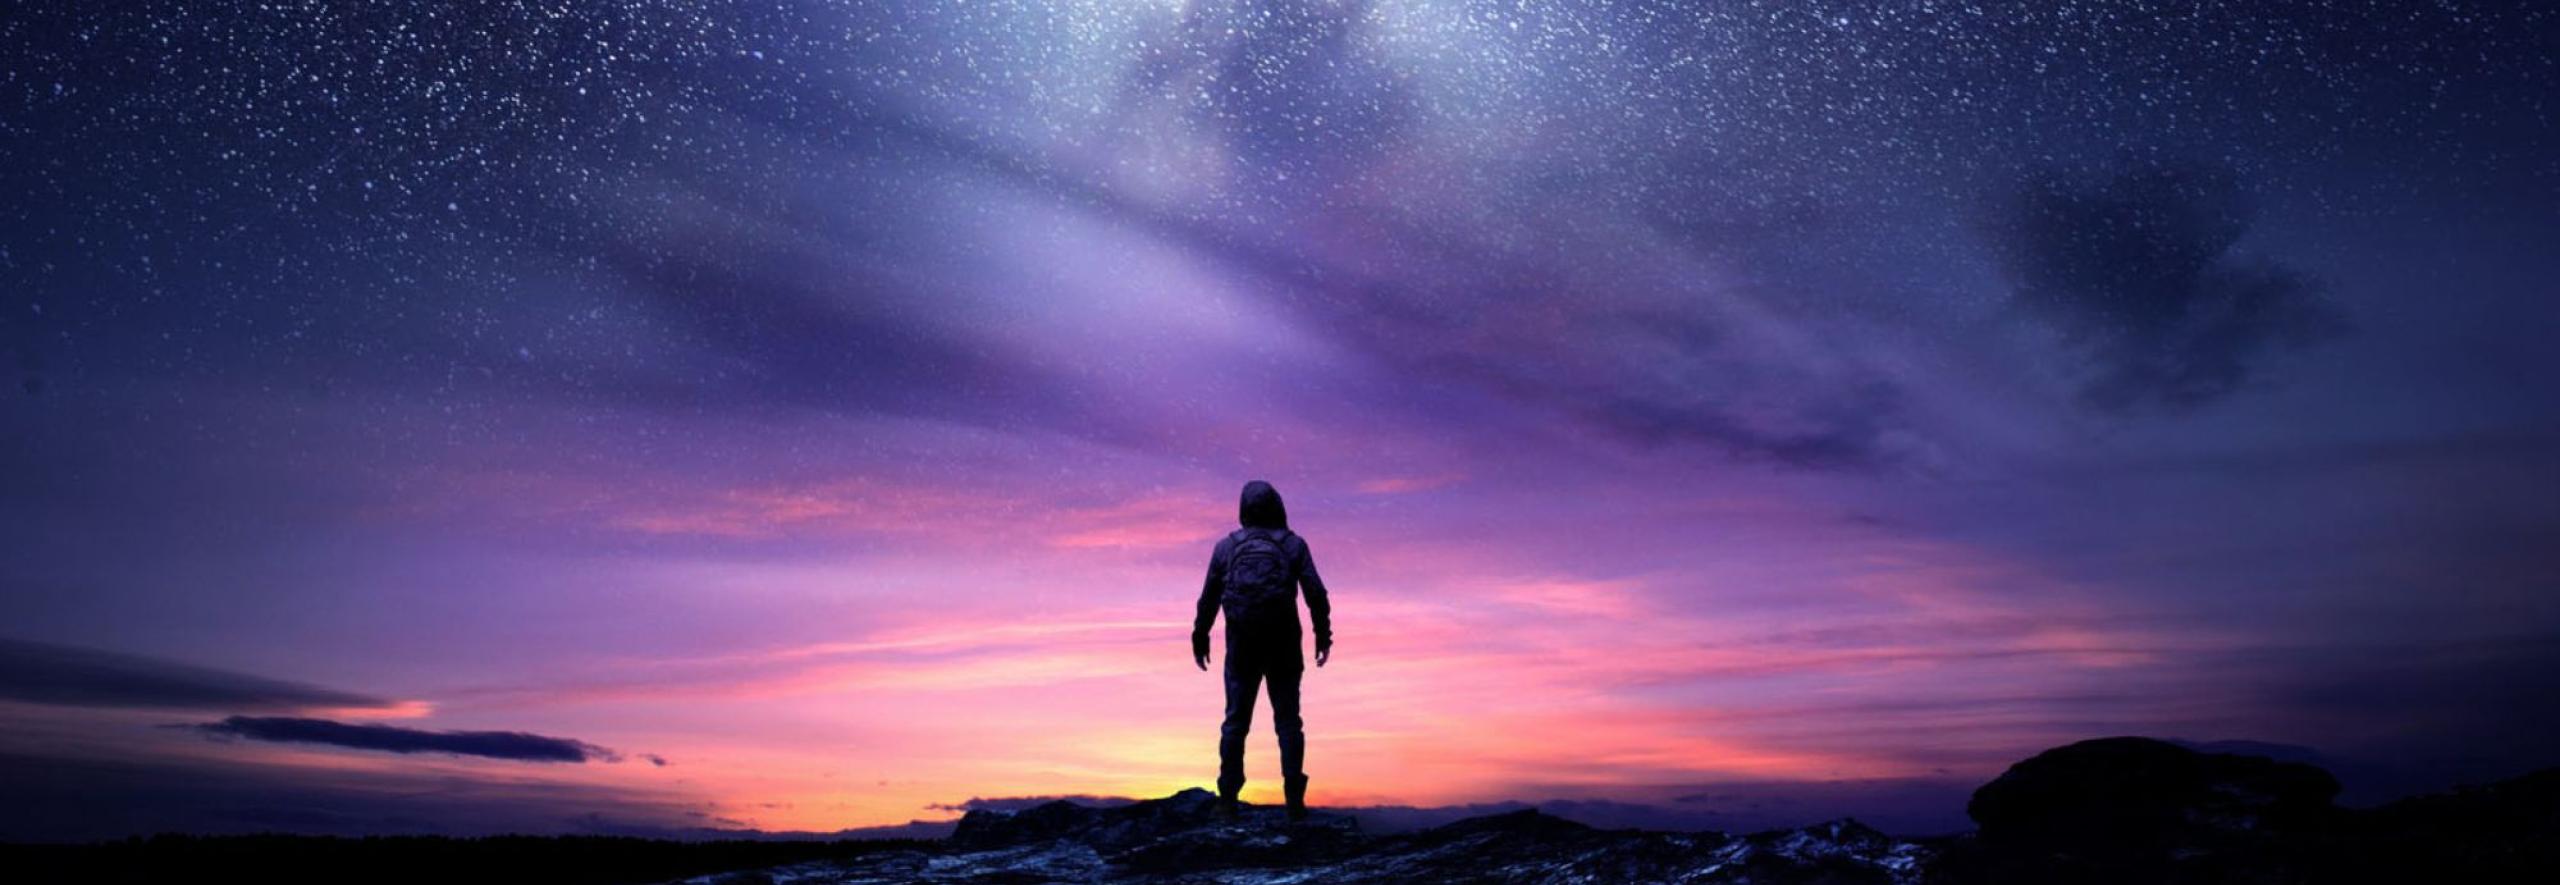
1259	508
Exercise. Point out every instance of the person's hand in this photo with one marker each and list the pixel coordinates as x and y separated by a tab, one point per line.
1324	650
1200	650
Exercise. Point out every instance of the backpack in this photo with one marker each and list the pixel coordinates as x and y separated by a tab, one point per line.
1258	580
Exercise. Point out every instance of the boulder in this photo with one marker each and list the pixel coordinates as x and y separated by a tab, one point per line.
2131	809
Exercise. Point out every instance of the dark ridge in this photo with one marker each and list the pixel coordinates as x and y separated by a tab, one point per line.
2112	811
553	860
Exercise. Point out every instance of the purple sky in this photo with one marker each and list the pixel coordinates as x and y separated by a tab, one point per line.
797	417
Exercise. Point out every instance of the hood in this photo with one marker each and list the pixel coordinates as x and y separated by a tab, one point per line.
1260	507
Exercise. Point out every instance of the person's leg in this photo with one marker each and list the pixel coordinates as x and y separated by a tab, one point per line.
1244	680
1283	675
1285	722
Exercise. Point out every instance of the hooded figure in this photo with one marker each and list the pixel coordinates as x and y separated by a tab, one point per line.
1256	574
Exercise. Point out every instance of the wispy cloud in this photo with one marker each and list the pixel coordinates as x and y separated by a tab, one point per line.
46	673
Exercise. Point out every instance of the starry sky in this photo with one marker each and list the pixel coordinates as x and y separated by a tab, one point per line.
650	416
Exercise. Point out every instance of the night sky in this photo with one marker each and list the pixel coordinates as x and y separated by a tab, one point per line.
638	416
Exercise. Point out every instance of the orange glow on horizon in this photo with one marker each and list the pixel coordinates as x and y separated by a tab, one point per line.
1459	677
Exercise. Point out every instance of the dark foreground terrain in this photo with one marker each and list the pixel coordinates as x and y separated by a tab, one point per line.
1177	839
2115	810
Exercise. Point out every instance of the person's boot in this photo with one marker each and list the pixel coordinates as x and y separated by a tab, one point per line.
1296	786
1227	804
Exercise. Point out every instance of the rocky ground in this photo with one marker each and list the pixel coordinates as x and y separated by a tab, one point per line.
1178	839
2116	810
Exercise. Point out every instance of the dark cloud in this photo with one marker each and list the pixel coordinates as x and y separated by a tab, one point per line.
1550	322
394	739
2137	271
44	673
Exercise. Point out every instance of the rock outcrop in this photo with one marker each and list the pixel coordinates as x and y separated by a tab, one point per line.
2135	810
1179	839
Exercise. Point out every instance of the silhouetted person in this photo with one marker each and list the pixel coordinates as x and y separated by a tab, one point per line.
1254	575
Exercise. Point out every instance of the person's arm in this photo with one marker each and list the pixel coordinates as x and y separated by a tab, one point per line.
1205	612
1319	607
